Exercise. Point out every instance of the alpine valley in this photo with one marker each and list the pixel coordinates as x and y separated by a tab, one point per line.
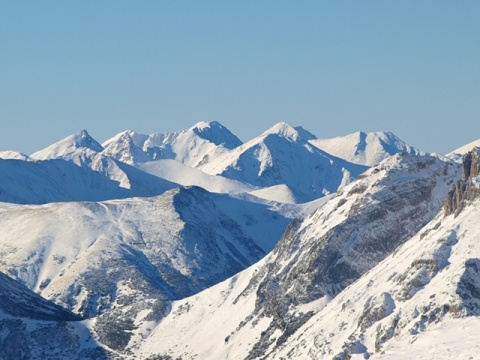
196	245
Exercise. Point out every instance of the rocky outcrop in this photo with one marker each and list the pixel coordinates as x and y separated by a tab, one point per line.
326	252
466	189
469	288
376	224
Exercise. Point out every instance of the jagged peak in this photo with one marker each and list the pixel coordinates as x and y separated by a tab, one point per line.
78	140
207	124
285	130
129	136
216	133
83	139
122	134
471	164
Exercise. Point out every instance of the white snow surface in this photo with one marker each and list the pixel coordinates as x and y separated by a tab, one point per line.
427	302
192	147
280	193
179	173
282	155
451	339
365	148
10	154
83	175
457	154
68	145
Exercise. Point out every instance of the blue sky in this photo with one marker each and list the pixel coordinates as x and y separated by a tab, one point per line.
336	67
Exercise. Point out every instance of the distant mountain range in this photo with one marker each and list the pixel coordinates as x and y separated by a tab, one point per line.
194	245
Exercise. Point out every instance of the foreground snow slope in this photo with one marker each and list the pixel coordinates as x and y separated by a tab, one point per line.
315	261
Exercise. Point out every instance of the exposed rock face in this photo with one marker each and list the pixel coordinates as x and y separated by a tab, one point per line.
468	188
323	254
376	309
469	287
376	223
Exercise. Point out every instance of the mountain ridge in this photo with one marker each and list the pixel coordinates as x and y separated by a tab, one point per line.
195	245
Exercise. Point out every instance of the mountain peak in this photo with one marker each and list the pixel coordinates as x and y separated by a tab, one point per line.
216	133
207	124
79	140
285	130
365	148
83	139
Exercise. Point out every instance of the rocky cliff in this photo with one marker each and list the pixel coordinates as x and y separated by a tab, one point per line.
467	188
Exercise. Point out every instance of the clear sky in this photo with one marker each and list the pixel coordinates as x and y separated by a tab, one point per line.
334	67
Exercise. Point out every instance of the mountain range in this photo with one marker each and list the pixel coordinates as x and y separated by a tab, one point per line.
194	245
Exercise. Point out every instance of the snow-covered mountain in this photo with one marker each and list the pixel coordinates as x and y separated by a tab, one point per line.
365	148
314	263
192	147
125	260
95	179
457	154
282	164
9	154
67	146
383	264
282	155
74	169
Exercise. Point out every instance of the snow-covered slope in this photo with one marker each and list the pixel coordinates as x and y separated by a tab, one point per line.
457	154
388	267
179	173
74	169
126	259
282	155
71	144
92	179
9	154
315	261
193	147
430	284
279	165
18	300
34	328
365	148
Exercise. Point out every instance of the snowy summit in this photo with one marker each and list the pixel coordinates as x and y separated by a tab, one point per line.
194	245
